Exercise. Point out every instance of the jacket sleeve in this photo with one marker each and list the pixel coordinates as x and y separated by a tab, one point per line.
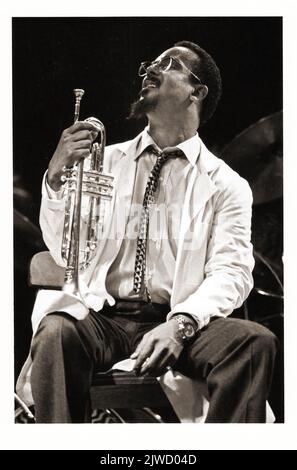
51	219
229	259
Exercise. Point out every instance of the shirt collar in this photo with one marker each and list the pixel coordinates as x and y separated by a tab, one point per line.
190	147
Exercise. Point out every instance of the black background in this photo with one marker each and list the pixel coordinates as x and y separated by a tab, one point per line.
51	56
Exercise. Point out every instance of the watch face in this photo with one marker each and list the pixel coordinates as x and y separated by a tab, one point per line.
189	330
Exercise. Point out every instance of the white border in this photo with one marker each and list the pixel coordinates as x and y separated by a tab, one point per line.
281	436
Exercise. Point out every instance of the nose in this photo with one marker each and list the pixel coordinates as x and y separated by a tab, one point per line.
153	68
152	72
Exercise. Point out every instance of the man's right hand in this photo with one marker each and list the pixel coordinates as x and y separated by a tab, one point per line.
75	143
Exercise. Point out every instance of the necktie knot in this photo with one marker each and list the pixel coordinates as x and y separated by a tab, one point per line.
169	152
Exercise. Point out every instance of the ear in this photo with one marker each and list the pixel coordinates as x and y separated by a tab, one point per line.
199	93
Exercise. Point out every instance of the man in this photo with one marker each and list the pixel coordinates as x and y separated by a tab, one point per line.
166	276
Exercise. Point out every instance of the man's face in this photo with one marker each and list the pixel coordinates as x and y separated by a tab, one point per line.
169	89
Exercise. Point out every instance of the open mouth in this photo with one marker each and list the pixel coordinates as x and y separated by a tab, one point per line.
149	84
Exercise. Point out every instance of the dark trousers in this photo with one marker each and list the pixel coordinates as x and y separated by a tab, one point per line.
235	358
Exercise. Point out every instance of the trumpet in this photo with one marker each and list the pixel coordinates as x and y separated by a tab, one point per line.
85	184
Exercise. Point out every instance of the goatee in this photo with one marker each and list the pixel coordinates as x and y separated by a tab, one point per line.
141	107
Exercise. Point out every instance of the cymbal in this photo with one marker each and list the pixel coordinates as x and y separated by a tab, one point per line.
23	225
27	240
256	154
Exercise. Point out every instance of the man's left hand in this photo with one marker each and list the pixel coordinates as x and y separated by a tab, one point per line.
158	349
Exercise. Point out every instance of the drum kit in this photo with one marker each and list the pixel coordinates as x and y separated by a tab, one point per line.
256	154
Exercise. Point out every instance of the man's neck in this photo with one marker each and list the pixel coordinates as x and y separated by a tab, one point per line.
169	132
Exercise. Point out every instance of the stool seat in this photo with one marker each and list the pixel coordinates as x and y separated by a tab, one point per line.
121	389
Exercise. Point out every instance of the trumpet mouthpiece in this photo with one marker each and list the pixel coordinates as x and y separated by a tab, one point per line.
78	92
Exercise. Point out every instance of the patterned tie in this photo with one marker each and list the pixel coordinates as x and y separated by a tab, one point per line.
148	200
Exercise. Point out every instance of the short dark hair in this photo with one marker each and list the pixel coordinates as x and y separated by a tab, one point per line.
208	71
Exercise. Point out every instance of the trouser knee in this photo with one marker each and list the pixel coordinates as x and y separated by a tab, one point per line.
54	330
262	339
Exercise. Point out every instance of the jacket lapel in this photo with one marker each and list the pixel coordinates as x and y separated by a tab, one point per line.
124	182
124	172
200	189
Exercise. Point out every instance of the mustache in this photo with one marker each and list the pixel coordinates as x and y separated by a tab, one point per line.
151	80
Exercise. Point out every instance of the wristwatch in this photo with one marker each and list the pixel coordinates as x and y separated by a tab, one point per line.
186	328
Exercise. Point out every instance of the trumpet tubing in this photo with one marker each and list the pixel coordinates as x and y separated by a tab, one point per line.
87	186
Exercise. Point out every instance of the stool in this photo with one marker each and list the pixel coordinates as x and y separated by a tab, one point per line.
125	397
116	392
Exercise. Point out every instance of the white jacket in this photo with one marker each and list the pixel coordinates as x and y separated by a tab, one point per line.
214	257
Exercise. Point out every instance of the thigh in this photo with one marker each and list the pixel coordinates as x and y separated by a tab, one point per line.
141	330
214	343
106	340
99	337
